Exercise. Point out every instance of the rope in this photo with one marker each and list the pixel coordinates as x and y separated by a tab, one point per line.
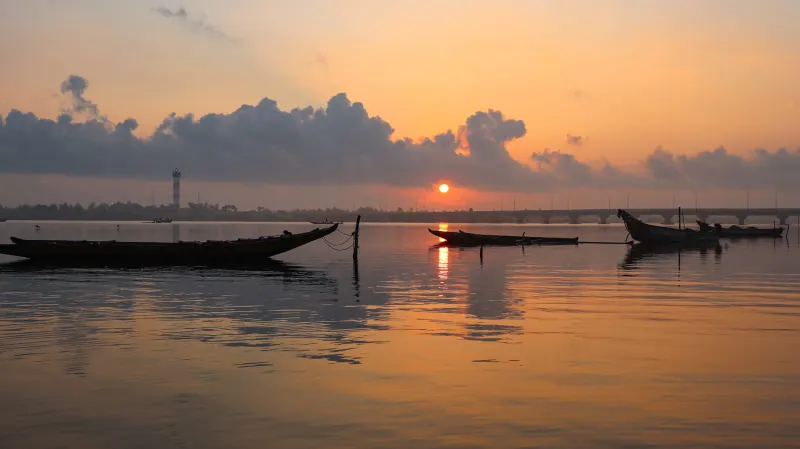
331	246
343	233
337	244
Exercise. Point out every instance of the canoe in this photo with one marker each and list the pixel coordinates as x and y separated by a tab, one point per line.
180	253
468	239
662	235
737	231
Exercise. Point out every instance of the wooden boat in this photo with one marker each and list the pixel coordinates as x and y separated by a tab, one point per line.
658	235
737	231
462	238
161	220
181	253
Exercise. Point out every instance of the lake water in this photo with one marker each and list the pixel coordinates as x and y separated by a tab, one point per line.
558	347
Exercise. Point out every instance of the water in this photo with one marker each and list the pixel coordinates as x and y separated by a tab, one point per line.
559	347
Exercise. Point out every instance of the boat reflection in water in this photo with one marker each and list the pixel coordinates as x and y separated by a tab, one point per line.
639	253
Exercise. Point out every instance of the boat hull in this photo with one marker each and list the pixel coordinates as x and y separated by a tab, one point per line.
181	253
468	239
739	232
662	235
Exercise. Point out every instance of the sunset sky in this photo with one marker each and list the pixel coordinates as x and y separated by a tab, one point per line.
607	90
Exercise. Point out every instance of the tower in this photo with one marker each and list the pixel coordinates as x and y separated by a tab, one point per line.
176	189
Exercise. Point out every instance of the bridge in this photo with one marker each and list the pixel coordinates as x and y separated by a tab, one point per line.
575	216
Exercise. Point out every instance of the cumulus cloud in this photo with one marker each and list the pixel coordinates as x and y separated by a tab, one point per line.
575	140
198	24
342	144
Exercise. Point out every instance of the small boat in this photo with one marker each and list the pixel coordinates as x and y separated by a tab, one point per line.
660	235
326	222
462	238
180	253
737	231
160	220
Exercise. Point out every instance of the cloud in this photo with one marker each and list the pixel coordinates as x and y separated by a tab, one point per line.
577	94
575	140
342	144
181	16
74	87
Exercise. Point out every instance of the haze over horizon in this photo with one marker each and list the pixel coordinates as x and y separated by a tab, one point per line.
287	104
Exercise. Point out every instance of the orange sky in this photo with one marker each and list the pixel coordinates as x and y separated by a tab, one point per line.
675	74
627	77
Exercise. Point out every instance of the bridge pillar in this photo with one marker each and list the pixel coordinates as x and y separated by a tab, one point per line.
573	219
741	219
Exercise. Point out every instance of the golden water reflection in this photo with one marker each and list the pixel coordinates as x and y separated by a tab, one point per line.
558	347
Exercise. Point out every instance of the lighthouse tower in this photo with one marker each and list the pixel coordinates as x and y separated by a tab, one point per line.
176	189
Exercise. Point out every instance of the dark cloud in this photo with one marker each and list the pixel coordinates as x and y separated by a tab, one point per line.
341	144
74	88
181	16
575	140
719	168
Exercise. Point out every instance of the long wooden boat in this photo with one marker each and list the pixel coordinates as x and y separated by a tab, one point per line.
658	235
468	239
180	253
737	231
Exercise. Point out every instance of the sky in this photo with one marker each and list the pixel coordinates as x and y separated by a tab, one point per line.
315	103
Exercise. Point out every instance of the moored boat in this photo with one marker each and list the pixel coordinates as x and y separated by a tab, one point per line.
738	231
180	253
326	221
468	239
658	235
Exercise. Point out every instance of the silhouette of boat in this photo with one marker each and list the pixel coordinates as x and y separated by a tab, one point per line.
462	238
662	235
326	221
737	231
160	220
112	252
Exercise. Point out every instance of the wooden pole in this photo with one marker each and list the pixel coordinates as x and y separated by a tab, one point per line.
355	238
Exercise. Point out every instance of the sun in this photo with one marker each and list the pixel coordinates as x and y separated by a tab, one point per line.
444	188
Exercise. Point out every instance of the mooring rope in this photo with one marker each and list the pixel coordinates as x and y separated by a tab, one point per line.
338	244
331	245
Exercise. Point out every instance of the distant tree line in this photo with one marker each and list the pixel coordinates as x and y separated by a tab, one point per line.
193	212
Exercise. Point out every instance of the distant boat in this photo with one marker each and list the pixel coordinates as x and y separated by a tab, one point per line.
67	252
737	231
160	220
326	222
660	235
468	239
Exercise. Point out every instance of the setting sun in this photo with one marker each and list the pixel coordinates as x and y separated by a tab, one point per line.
444	188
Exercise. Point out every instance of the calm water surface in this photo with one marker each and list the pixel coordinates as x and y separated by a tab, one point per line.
564	347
